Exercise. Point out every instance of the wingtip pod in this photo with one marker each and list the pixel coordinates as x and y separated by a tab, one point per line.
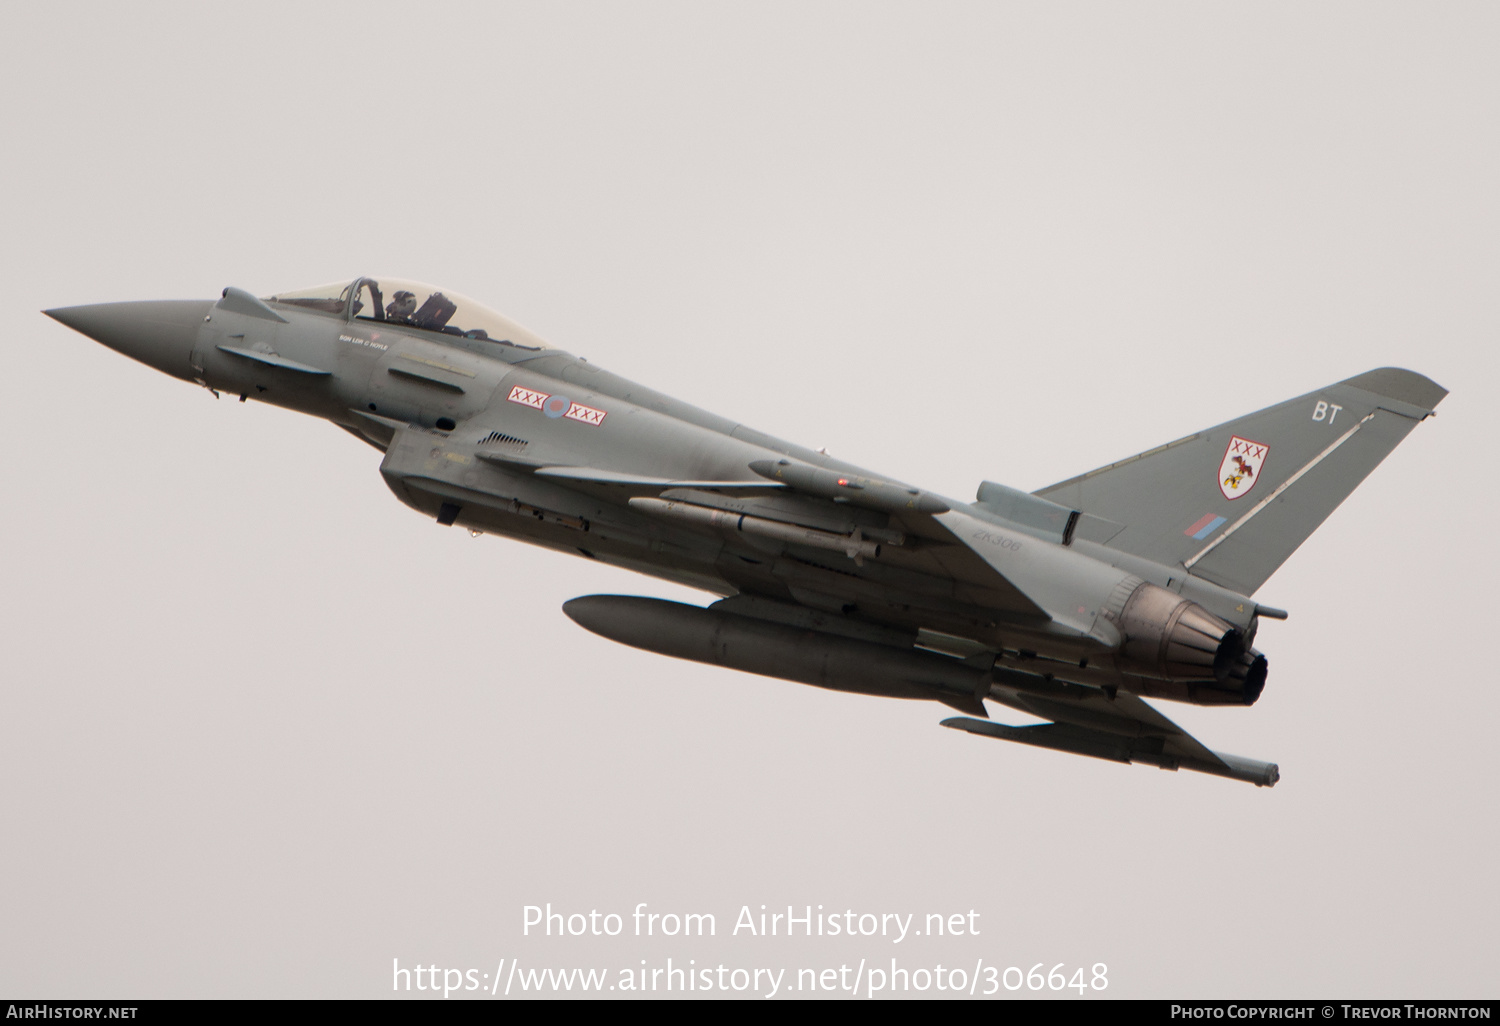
1261	774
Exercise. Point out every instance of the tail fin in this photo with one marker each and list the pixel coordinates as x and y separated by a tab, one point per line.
1231	503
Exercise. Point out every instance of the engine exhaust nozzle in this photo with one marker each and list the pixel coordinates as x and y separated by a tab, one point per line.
1174	639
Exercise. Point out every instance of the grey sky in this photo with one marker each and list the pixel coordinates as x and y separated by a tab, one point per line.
266	729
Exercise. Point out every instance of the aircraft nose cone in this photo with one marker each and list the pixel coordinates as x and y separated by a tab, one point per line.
159	333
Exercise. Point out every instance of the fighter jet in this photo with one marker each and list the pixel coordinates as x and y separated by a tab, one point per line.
1072	604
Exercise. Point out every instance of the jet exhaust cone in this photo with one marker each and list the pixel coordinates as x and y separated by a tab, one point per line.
1198	657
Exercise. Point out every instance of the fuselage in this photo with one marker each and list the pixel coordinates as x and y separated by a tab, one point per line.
485	427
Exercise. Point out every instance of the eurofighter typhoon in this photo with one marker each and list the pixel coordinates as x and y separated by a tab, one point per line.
1073	604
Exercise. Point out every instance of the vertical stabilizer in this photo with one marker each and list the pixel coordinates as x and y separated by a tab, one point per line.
1232	502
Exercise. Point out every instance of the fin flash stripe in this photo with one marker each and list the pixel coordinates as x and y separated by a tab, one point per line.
1206	526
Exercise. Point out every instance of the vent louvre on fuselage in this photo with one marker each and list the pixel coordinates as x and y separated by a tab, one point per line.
497	438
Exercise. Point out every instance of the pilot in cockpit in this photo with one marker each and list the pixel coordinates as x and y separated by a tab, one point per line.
403	304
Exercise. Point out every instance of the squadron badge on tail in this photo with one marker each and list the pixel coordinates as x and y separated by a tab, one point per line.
1240	468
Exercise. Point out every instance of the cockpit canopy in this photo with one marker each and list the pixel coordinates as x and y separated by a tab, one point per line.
411	304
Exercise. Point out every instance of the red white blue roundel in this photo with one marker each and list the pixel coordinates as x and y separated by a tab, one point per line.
1240	469
556	406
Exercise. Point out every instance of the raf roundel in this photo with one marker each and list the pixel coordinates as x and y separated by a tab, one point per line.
556	406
